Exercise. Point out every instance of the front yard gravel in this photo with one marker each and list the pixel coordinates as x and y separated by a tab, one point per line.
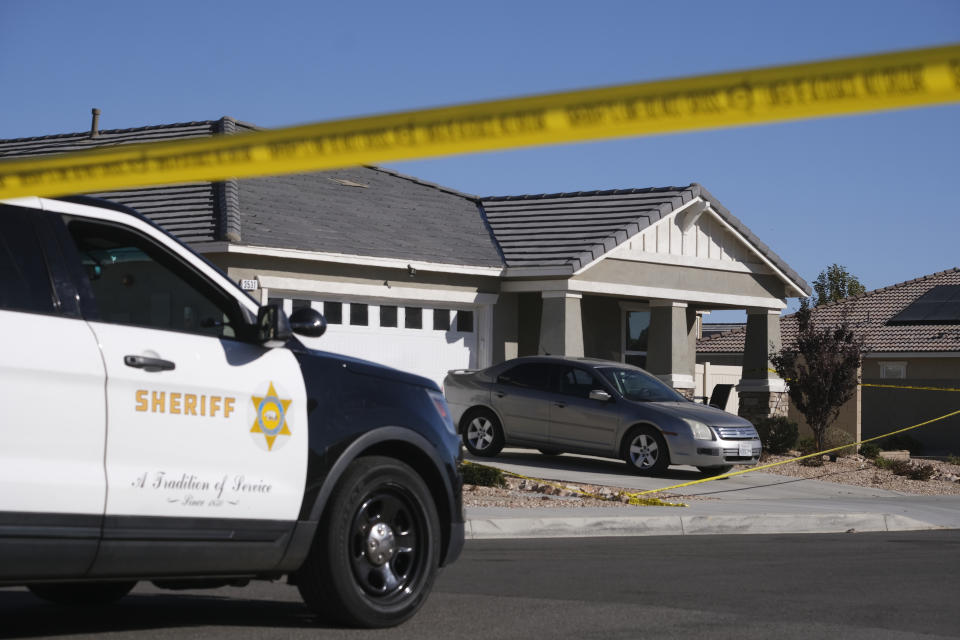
850	470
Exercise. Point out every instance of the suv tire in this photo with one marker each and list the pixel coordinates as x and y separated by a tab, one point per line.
377	549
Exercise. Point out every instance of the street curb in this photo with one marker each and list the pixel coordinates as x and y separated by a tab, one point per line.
589	527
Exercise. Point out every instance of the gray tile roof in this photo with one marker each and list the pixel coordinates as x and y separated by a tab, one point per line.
573	229
389	216
868	315
365	211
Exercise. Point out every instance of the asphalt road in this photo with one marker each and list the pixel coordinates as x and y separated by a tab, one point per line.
859	585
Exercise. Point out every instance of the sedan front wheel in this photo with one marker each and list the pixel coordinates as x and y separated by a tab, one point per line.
645	451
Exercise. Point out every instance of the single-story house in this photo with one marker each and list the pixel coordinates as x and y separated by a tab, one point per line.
911	333
427	279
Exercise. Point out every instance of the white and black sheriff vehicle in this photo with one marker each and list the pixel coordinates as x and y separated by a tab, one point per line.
157	424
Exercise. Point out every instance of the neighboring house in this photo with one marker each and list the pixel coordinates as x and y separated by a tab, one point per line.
427	279
911	335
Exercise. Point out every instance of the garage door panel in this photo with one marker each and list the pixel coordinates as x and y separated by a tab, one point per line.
425	351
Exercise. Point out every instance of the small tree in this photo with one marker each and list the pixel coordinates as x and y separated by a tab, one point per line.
821	370
836	283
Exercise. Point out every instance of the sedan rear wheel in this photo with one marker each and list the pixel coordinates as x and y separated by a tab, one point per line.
645	451
483	435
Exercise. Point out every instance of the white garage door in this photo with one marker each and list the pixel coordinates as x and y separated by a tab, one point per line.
428	341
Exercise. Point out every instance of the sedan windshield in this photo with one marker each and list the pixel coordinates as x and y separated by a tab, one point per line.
640	386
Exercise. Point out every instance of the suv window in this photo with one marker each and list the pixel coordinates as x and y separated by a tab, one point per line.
25	284
530	376
137	282
577	382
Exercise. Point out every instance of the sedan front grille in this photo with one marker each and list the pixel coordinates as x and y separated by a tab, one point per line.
736	433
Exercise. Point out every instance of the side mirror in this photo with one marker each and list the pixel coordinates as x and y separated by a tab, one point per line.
273	328
600	395
308	322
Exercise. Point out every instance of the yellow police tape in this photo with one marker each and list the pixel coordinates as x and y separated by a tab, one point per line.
853	85
900	386
636	498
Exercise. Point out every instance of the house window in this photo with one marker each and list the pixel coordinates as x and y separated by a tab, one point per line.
388	316
358	314
333	312
301	304
413	318
636	332
465	321
893	370
441	319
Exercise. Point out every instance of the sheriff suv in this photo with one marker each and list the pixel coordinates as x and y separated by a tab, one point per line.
158	424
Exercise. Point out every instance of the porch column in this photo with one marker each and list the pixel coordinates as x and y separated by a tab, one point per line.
762	392
561	326
672	345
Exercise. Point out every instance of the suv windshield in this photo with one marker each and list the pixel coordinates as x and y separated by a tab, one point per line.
640	386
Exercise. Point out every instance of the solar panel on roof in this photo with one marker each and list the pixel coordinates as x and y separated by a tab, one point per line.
939	305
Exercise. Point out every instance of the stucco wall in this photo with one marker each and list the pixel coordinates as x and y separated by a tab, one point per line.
684	278
917	367
240	266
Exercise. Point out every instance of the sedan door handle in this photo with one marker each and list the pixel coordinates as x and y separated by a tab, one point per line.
561	405
500	394
149	364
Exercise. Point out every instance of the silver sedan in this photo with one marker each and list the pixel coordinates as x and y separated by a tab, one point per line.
594	407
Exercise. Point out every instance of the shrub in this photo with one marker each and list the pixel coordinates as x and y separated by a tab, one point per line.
922	472
870	450
483	476
777	434
806	447
835	437
952	459
902	441
883	463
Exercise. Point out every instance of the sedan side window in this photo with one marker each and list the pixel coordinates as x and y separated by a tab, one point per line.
529	376
137	282
577	382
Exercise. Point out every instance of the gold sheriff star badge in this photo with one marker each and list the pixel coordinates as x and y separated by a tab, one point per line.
271	418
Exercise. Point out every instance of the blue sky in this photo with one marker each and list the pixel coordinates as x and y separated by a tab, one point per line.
873	192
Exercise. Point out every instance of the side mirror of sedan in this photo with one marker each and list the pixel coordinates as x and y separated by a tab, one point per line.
601	395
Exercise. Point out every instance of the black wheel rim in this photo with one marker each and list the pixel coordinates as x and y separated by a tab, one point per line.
387	543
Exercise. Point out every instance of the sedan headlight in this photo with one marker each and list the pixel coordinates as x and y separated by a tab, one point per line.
440	404
699	430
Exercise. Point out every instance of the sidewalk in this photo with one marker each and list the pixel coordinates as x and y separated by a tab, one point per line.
750	503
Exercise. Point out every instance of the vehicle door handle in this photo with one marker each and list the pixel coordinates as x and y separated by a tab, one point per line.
561	405
500	394
149	364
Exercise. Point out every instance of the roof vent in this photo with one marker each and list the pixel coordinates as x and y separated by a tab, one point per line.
95	124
